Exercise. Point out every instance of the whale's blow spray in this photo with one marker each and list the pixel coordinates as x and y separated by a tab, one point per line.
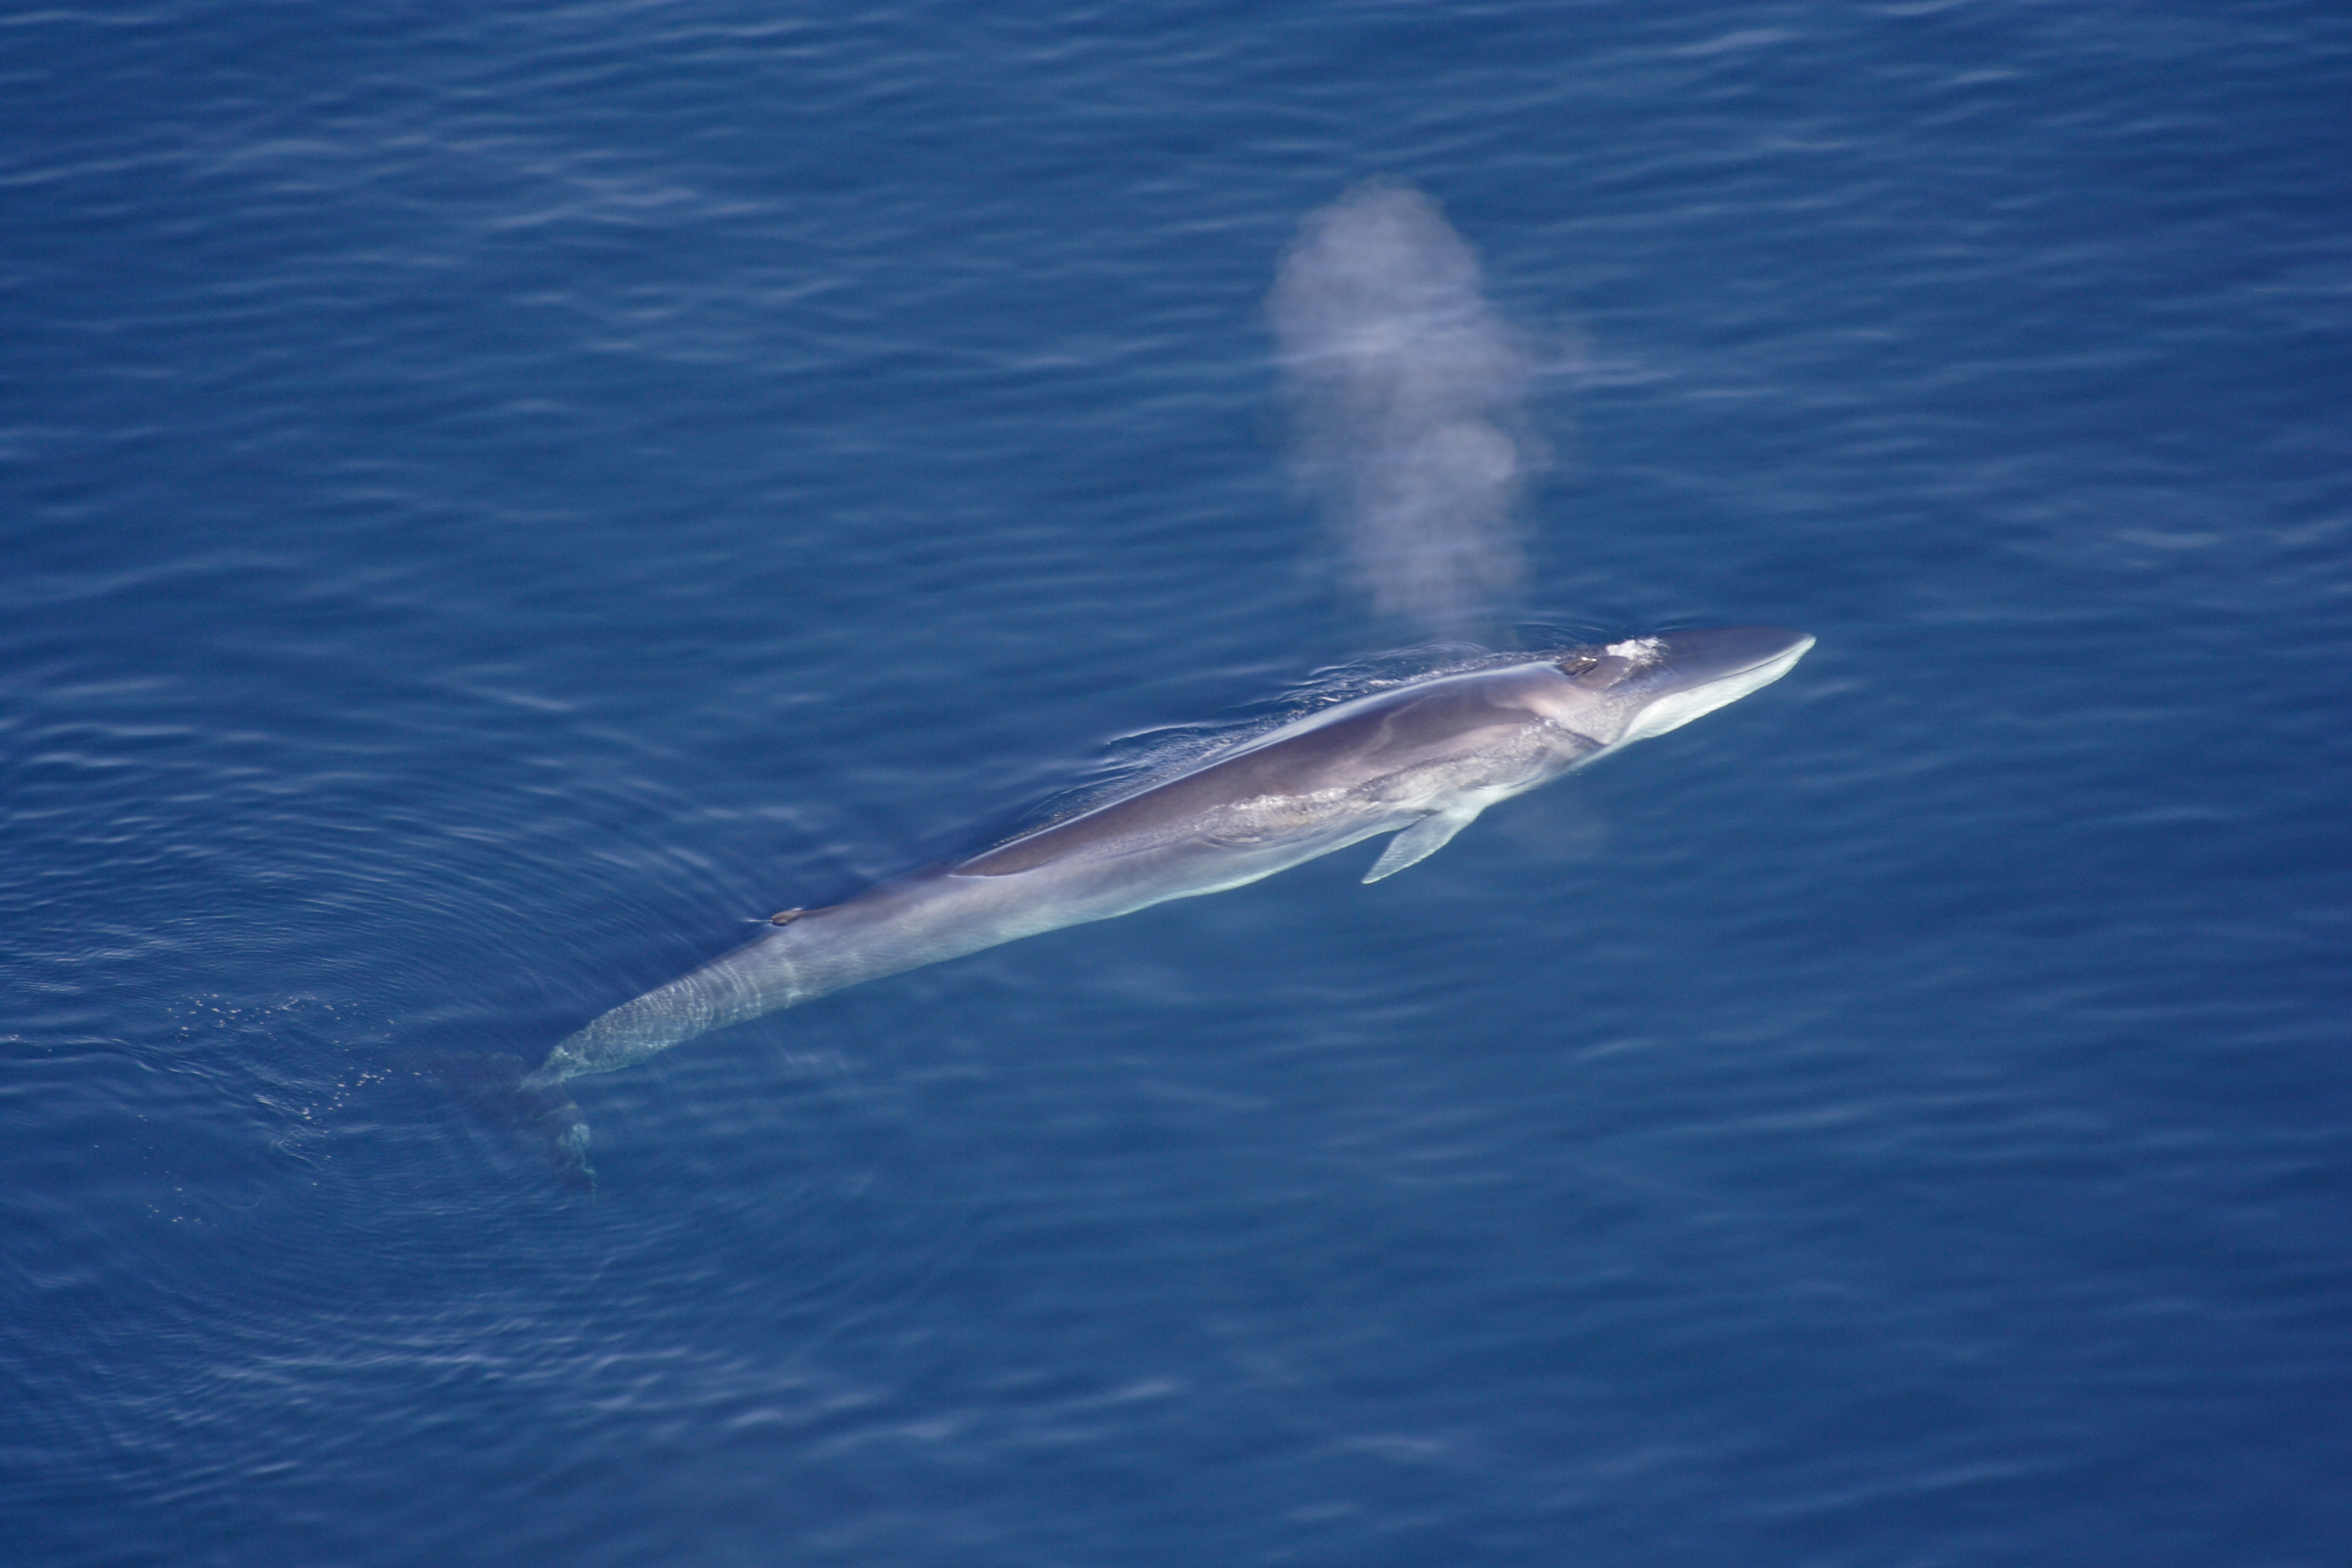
1406	388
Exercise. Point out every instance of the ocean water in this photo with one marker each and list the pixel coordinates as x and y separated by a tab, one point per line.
493	504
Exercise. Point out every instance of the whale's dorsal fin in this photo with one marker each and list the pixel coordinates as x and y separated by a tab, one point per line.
1418	842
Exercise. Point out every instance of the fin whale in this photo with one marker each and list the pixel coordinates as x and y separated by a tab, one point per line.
1420	760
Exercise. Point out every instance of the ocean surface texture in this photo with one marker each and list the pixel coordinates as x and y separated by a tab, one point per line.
494	503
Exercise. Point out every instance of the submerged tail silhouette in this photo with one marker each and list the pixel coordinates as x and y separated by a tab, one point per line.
500	1092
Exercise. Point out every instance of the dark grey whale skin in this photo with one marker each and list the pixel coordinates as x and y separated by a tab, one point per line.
1422	760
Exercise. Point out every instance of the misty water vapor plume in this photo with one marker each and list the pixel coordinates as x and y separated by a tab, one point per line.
1405	387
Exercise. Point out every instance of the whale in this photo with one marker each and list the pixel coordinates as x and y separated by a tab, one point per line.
1418	761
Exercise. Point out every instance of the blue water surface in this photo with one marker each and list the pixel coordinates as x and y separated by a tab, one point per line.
495	502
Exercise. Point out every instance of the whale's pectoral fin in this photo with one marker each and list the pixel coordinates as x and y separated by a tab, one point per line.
1418	842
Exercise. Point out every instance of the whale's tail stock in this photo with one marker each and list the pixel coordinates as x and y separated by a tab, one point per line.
552	1109
499	1089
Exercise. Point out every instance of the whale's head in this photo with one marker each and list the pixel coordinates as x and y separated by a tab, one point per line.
1631	690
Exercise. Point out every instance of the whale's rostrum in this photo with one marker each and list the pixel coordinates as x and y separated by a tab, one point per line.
1420	760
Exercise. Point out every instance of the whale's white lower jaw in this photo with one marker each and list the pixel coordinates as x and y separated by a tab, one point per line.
1673	712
